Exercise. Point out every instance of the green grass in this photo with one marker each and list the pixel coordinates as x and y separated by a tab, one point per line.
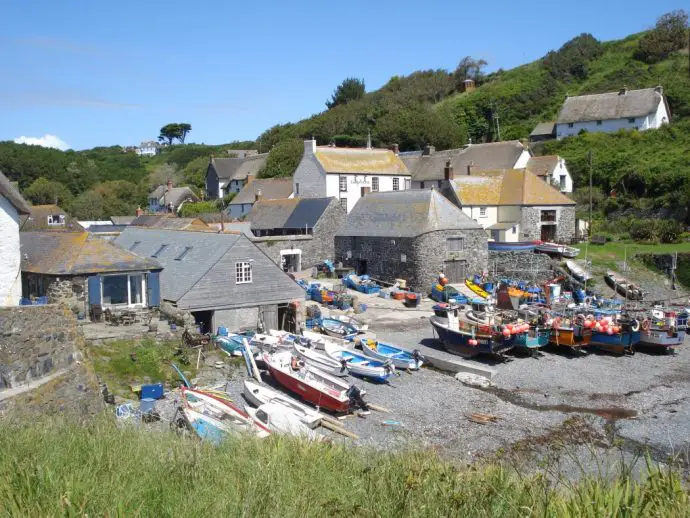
57	468
114	364
606	256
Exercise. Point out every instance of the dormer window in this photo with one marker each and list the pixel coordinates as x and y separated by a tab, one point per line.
56	219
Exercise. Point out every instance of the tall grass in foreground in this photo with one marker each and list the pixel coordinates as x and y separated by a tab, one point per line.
60	468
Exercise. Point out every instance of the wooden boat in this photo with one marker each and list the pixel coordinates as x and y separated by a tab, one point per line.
566	333
623	286
467	338
311	384
663	330
356	324
280	419
477	289
319	360
360	365
233	418
556	249
401	358
577	271
533	339
259	395
336	328
507	246
205	427
620	343
510	297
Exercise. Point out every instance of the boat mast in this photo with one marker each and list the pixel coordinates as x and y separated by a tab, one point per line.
589	227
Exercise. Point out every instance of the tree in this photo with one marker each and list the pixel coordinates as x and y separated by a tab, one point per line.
183	129
283	159
350	89
88	205
571	61
669	35
170	132
469	68
44	192
161	174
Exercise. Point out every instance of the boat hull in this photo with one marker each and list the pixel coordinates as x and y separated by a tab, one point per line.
532	340
457	342
619	343
505	246
400	358
570	337
360	365
337	328
661	339
259	395
478	290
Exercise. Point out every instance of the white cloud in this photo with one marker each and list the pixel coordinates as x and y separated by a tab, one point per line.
46	140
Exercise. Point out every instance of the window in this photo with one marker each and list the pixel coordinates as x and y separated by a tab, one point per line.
631	120
343	203
184	252
403	258
123	289
561	182
455	244
396	184
343	183
296	189
408	183
514	230
571	125
421	185
135	289
375	183
548	216
160	250
598	123
134	245
243	272
482	212
56	219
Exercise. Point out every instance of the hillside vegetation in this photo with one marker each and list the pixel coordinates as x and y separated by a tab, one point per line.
101	469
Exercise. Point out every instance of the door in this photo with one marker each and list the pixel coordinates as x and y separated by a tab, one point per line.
361	266
455	271
270	317
548	233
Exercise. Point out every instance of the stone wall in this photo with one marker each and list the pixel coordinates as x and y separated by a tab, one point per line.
386	258
530	225
565	231
236	319
526	266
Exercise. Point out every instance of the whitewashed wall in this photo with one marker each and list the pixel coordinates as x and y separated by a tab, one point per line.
10	258
355	184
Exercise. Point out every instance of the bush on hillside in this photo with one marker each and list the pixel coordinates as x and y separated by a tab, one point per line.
669	35
655	230
283	159
571	61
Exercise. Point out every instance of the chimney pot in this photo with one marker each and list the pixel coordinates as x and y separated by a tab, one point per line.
258	195
448	173
139	211
395	148
429	150
659	89
470	168
309	147
623	90
170	184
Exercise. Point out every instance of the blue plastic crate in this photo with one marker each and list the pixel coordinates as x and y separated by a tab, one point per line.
154	391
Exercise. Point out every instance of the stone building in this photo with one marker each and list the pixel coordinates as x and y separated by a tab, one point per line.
297	233
255	190
411	235
83	271
231	174
12	207
49	218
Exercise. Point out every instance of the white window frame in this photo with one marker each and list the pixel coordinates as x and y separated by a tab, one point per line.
408	184
482	212
60	220
343	202
129	303
342	183
374	184
243	272
396	184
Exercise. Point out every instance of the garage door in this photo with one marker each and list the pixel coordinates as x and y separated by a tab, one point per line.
456	271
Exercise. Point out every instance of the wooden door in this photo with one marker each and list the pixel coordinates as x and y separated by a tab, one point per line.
456	271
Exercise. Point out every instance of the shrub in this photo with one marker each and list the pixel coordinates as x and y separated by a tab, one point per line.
668	230
669	35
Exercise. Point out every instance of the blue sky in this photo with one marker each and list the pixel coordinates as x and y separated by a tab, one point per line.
103	73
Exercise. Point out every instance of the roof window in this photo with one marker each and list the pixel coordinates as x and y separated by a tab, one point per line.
184	252
160	250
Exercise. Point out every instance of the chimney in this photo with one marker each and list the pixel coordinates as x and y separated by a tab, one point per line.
250	179
429	150
170	184
258	195
395	148
139	211
448	173
659	89
623	90
309	147
471	168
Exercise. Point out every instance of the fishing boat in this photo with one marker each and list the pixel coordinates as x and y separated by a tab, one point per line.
311	384
401	358
510	297
337	328
663	330
477	289
356	324
360	365
535	338
282	420
566	331
516	246
577	271
556	249
205	427
623	286
467	338
234	419
259	395
319	360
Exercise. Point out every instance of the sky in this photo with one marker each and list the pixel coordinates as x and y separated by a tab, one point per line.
78	74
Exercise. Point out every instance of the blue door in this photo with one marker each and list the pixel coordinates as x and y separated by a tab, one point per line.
154	289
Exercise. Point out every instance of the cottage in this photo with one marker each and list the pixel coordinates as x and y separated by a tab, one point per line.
552	170
166	198
512	205
221	279
626	109
426	167
12	208
86	273
49	218
148	148
348	173
226	175
412	235
296	233
263	189
543	131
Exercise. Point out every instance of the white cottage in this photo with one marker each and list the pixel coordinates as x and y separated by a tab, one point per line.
12	206
553	170
348	173
626	109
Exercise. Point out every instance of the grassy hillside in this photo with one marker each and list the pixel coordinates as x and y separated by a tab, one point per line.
103	470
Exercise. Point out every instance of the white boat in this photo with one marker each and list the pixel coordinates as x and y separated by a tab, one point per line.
556	249
401	358
359	326
360	365
577	271
259	395
280	419
319	359
664	329
318	340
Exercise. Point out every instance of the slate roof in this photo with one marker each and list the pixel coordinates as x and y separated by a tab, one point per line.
611	105
203	277
360	161
38	220
494	155
407	213
271	189
542	165
544	128
288	213
506	187
164	221
176	195
106	229
122	220
238	168
8	191
77	253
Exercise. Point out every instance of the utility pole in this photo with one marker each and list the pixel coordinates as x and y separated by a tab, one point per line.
674	265
498	125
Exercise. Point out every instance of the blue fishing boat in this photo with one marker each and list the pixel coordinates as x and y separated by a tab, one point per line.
337	328
360	365
517	246
620	343
401	358
533	339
